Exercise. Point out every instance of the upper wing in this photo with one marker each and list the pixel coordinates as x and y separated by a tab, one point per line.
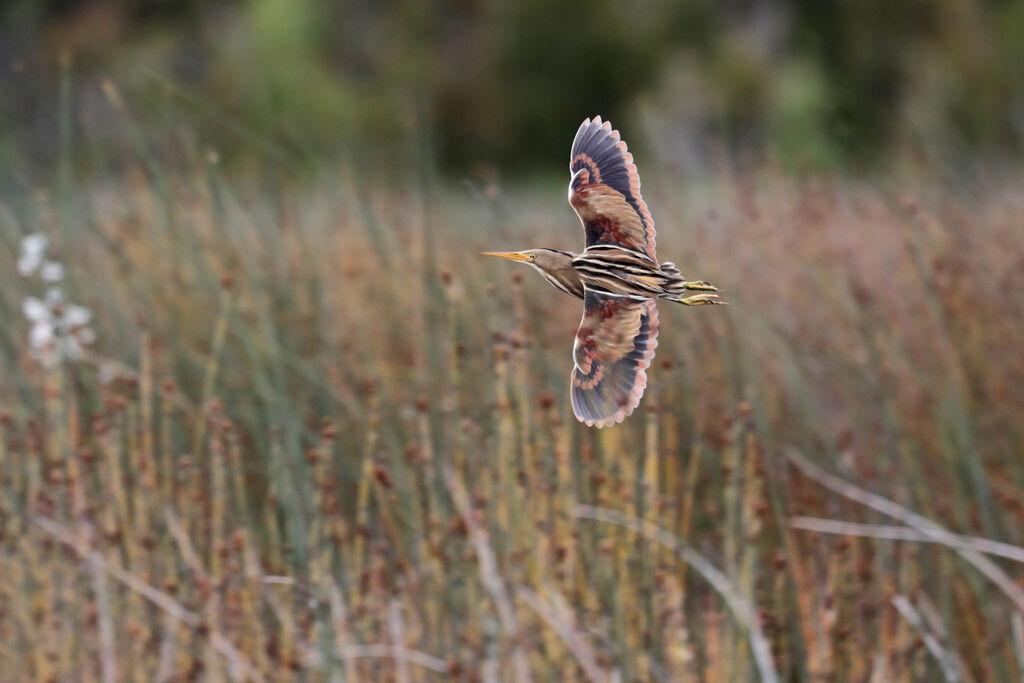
614	346
605	190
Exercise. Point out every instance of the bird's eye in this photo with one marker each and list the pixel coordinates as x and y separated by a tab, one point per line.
533	257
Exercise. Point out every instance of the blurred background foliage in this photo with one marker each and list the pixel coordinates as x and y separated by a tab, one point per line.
477	85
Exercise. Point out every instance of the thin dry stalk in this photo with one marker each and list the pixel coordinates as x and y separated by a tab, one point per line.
342	627
383	651
742	610
396	631
902	533
558	616
108	659
686	507
185	547
165	667
238	664
1017	624
930	615
489	575
220	331
987	568
913	617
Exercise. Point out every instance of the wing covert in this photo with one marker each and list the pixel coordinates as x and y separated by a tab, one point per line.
605	190
614	346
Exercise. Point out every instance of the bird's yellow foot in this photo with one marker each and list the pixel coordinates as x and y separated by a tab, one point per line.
700	300
700	285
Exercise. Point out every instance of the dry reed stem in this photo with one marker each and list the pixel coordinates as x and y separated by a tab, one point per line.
930	613
558	615
108	660
902	533
396	632
165	657
987	568
488	566
342	626
1017	625
212	365
913	617
238	664
686	507
382	651
742	610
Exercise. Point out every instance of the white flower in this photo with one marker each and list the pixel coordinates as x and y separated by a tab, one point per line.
52	271
41	335
76	316
58	332
33	248
35	310
35	243
27	264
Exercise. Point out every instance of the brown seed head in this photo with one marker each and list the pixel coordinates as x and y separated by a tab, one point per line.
779	562
382	476
910	205
546	400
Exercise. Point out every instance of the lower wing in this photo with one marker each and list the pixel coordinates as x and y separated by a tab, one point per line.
614	346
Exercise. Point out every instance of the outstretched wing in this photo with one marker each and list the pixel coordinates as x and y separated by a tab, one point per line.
605	190
614	346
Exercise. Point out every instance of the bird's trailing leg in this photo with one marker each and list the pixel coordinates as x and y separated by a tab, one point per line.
700	285
699	300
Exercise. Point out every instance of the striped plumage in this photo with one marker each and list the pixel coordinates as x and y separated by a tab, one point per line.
617	276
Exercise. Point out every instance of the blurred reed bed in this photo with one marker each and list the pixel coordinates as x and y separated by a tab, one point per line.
318	438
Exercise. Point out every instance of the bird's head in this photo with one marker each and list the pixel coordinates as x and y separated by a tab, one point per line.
545	260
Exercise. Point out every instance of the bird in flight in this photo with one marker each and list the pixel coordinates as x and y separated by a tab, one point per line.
617	276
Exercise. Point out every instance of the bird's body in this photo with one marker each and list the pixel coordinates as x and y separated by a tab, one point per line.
606	269
617	276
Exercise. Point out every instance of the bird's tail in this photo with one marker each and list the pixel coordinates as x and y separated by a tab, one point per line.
676	282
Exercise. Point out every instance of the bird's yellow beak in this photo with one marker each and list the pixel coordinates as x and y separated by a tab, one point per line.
511	255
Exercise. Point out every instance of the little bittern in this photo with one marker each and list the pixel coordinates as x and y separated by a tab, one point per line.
617	276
